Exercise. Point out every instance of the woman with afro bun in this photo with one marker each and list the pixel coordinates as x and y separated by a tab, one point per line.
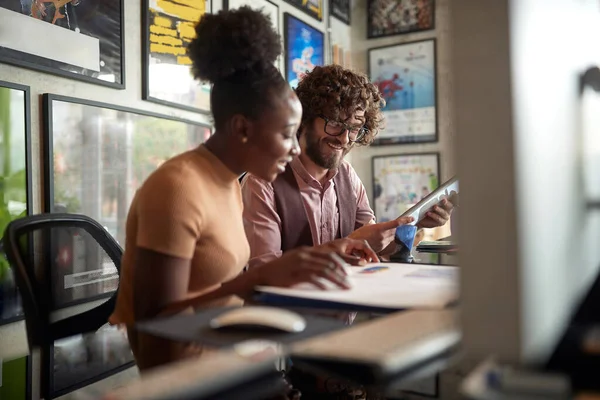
185	243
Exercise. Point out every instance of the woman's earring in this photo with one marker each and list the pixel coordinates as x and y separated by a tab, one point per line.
244	139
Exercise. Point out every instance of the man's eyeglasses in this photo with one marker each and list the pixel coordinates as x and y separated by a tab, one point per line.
336	128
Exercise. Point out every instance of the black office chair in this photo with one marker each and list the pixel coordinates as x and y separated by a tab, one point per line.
61	260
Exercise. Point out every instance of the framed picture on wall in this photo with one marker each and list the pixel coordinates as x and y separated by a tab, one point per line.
400	181
167	79
266	7
394	17
406	76
314	8
79	39
96	156
340	9
304	48
81	360
15	190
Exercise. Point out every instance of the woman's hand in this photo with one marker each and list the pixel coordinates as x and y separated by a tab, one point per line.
353	251
304	264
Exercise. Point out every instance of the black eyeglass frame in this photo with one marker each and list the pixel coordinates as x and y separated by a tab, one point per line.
362	131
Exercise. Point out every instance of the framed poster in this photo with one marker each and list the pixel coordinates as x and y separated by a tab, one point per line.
96	156
304	48
393	17
81	360
340	9
79	39
266	7
406	77
314	8
400	181
168	27
15	177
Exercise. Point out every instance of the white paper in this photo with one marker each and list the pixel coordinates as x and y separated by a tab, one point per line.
397	286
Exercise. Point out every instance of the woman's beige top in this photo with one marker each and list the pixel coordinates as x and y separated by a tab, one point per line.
190	208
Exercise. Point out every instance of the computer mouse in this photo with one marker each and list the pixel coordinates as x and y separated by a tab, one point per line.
260	317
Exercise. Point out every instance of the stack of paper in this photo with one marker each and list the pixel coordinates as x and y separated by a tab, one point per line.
378	286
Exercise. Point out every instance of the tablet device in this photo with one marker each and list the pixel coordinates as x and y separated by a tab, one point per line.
446	190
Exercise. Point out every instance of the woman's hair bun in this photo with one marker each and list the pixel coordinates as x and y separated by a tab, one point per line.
232	41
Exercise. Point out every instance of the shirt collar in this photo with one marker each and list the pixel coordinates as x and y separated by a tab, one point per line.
301	171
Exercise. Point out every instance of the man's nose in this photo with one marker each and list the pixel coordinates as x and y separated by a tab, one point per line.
344	138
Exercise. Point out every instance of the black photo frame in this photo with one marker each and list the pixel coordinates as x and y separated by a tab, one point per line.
96	155
67	366
189	94
410	17
294	29
408	121
260	5
314	8
10	297
97	27
341	10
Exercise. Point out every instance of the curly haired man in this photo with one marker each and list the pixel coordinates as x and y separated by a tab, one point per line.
320	197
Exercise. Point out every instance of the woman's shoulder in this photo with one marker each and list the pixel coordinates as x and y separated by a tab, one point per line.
179	171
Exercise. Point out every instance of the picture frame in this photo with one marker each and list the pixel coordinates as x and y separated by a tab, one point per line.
341	10
406	75
267	7
314	8
15	121
72	363
166	74
402	180
304	48
94	32
96	156
397	17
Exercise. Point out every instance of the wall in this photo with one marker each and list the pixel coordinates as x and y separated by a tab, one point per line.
517	124
361	156
12	337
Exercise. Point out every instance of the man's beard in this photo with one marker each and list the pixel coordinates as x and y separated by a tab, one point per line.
314	152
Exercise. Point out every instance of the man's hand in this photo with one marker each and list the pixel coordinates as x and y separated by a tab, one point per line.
437	215
380	235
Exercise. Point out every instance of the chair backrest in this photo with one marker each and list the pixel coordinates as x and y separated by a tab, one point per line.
60	260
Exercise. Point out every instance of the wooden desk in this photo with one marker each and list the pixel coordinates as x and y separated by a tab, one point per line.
381	349
227	374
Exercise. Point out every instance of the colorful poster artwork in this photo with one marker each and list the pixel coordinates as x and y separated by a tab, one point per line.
401	181
169	29
406	77
394	17
305	49
79	39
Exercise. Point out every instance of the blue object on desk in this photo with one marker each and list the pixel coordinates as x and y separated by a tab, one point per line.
405	234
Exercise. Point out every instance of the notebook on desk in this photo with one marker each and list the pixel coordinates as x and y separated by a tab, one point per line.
382	287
